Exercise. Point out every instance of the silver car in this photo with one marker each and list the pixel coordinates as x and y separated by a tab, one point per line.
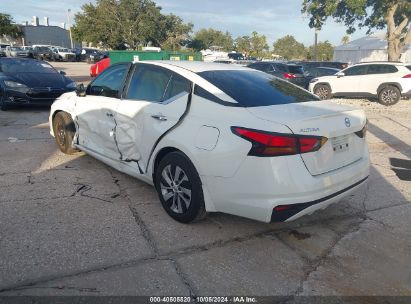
16	51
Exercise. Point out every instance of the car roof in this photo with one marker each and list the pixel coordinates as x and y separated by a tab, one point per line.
383	62
198	66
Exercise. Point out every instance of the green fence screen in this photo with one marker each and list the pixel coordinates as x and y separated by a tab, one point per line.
127	56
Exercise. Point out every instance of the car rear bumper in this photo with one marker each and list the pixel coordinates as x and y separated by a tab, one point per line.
262	184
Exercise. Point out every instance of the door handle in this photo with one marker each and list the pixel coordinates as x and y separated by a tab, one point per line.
159	117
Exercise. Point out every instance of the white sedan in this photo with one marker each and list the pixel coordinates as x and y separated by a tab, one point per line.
217	138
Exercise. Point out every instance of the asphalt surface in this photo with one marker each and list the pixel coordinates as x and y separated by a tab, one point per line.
70	225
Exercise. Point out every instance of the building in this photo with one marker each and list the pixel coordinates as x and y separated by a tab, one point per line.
368	48
43	34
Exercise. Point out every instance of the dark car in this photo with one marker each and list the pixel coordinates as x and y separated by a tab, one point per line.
91	55
313	72
30	82
43	53
291	72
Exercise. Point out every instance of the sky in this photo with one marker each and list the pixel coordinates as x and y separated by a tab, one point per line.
272	18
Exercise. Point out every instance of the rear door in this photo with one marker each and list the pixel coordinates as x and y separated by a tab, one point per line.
377	74
154	102
96	111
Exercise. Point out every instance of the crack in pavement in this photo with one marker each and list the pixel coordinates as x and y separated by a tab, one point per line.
170	256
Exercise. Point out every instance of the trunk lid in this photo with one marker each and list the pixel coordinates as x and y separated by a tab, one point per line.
321	118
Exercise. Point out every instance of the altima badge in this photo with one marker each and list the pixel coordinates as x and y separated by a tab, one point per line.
347	122
308	130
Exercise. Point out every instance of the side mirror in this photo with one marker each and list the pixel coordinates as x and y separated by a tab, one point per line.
81	90
62	73
340	74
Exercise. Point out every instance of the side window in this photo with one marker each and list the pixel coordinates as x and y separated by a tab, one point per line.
110	82
268	68
382	69
356	70
177	85
148	83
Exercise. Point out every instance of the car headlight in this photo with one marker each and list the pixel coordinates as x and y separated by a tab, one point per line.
71	85
15	85
313	80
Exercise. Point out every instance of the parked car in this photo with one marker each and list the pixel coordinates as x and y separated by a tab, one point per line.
291	72
3	49
30	82
386	81
216	137
91	55
16	51
97	68
43	53
63	54
313	72
30	50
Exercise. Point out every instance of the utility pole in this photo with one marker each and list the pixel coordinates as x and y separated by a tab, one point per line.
69	25
315	45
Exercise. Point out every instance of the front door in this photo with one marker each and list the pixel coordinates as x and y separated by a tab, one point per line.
154	102
349	83
95	113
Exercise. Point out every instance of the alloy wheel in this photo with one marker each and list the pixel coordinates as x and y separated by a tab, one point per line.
389	96
175	188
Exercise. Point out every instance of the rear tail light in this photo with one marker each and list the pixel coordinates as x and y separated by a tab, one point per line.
407	76
266	144
289	76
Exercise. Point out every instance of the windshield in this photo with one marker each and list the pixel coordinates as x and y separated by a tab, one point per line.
14	48
256	89
25	66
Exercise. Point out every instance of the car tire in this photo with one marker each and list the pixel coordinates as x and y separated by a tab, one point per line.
179	188
323	91
389	95
64	131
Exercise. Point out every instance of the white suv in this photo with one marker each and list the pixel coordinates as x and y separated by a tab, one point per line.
387	81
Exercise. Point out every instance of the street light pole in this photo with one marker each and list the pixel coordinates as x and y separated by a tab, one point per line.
69	25
315	45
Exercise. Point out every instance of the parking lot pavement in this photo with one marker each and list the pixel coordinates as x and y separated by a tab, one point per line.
70	225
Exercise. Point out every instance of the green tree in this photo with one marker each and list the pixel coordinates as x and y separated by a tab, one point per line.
325	51
243	45
7	27
289	48
258	45
133	23
395	15
175	32
206	38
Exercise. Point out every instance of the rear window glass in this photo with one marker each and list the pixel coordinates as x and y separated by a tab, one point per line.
296	69
255	89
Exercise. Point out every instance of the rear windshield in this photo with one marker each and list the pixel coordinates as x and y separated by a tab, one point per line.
256	89
296	69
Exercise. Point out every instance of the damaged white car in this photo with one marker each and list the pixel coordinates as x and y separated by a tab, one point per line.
217	138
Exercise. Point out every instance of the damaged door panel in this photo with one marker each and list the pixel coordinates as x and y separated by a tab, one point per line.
154	103
95	115
95	121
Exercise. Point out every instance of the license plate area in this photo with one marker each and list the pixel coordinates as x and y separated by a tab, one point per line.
340	143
